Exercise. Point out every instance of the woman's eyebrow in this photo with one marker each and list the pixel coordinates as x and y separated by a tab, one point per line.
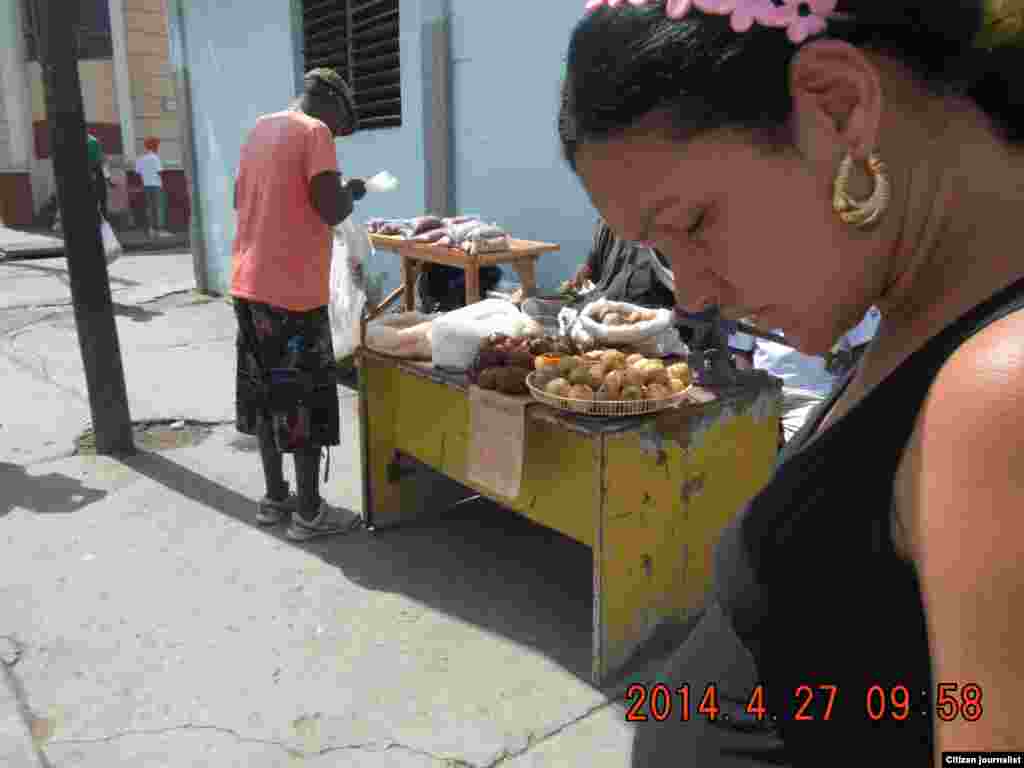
652	214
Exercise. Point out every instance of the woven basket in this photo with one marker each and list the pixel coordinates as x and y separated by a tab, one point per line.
606	408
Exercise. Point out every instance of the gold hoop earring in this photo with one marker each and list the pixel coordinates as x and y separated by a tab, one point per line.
861	213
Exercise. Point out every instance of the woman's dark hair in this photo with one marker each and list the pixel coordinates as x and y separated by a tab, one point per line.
626	62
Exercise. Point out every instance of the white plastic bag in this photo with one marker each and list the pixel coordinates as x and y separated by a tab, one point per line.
381	182
458	334
111	245
349	257
656	338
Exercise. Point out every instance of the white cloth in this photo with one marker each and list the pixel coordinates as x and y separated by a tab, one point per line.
806	383
148	166
866	330
797	370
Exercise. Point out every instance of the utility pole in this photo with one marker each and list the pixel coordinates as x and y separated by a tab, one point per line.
56	33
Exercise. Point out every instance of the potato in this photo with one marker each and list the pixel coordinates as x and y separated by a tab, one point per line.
680	371
635	376
632	393
634	359
585	396
580	375
657	376
488	378
512	380
597	372
614	381
567	365
613	360
557	387
633	318
648	315
520	358
593	355
677	386
657	392
614	318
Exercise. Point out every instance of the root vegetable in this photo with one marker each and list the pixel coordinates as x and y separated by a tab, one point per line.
613	359
512	380
657	392
488	378
682	372
580	375
614	381
632	393
635	376
558	387
634	359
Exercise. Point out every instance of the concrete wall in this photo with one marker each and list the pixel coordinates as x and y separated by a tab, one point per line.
152	85
506	156
232	87
505	93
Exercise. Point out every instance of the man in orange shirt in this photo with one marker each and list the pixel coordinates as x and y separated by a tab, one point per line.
289	195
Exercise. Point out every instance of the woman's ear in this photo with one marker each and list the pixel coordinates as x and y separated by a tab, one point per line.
837	100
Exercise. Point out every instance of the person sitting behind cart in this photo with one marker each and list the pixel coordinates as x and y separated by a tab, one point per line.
441	288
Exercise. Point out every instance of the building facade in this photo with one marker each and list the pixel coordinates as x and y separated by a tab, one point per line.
128	95
478	83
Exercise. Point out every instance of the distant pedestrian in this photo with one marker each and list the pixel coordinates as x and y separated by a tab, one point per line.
150	168
288	196
98	172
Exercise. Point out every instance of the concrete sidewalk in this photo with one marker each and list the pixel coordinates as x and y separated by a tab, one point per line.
146	621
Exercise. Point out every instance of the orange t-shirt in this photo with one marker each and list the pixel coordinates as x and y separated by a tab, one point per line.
282	250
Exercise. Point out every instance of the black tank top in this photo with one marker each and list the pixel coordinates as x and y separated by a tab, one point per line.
809	592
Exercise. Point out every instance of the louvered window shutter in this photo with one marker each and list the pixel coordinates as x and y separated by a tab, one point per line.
360	39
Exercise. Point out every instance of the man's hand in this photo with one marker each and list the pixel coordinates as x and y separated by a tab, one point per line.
357	187
582	275
358	273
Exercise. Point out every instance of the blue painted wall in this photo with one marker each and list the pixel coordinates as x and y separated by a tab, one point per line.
507	65
508	61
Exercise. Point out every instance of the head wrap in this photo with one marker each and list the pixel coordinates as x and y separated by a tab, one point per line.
330	81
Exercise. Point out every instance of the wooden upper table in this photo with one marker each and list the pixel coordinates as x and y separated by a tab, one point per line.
522	256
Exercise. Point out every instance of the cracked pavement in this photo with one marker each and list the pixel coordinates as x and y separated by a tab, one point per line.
145	621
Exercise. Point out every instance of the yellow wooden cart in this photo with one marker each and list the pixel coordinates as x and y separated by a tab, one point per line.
649	495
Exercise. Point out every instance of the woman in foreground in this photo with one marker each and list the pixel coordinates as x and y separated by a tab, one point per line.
801	162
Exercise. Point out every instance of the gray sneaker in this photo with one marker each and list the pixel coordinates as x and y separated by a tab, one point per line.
271	512
324	524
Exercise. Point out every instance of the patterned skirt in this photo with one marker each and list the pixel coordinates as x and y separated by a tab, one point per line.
271	337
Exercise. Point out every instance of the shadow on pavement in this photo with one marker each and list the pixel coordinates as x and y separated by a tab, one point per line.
480	563
136	313
50	494
61	273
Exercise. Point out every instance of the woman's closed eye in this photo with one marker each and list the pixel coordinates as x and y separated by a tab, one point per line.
698	223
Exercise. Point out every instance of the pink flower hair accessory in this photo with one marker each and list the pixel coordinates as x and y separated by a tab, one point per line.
800	18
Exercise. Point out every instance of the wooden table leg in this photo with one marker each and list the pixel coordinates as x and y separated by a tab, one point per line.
410	268
527	271
472	283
